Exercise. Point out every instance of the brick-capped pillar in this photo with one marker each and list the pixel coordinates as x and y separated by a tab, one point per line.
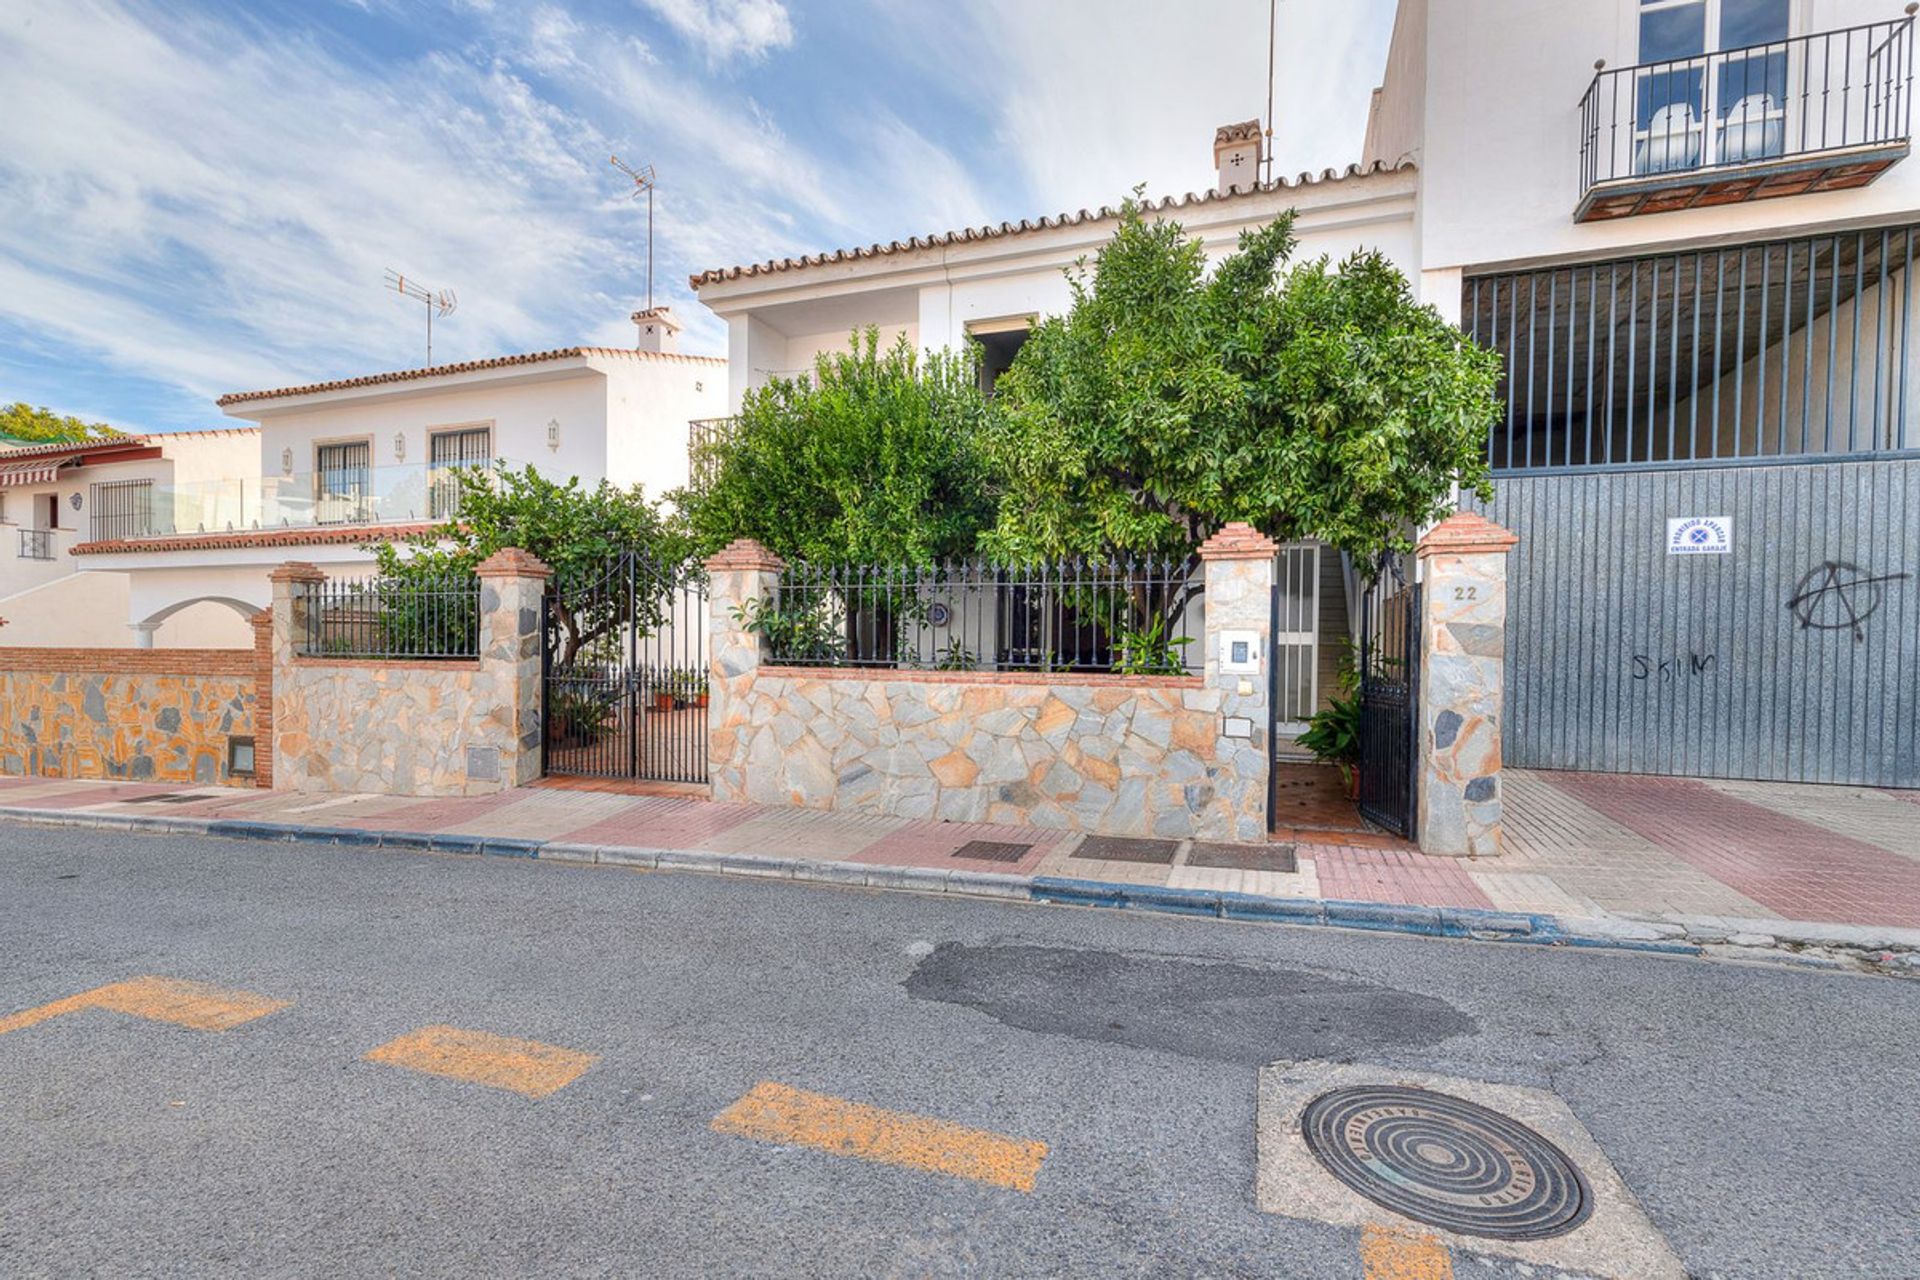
286	623
1239	564
512	584
263	698
744	571
1463	645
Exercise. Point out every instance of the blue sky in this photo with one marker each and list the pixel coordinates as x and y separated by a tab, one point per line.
202	197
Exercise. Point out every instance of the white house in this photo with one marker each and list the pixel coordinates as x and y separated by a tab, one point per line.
1688	227
338	465
54	497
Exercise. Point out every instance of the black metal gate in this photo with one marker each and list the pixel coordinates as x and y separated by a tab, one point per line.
1389	697
626	673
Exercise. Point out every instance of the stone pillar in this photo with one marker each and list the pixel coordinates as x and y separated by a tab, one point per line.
512	585
1239	564
143	633
1463	643
286	623
744	571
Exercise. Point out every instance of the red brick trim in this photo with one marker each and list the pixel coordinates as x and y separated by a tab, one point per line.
1238	541
297	571
1079	679
747	554
467	366
1467	533
392	664
263	699
145	662
331	535
512	562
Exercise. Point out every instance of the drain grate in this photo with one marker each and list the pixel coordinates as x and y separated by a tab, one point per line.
993	851
168	798
1243	857
1447	1162
1127	849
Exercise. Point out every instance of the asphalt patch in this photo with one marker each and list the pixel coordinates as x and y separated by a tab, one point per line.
1214	1010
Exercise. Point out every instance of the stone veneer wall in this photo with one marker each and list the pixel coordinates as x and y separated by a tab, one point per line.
447	727
1120	755
144	715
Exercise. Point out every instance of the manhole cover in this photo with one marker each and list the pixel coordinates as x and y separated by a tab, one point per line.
1446	1162
1127	849
1243	857
992	851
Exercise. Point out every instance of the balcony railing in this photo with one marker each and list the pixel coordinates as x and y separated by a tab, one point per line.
705	438
36	544
343	496
1814	112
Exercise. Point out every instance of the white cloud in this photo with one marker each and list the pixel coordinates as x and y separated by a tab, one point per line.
727	29
1092	103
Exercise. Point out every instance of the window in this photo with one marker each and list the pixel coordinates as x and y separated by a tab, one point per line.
447	453
122	509
240	757
50	506
1681	76
1000	341
343	482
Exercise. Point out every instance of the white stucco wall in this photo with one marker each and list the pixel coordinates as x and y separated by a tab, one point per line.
650	401
1500	155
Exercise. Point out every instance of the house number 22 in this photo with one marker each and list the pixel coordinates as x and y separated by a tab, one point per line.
1466	593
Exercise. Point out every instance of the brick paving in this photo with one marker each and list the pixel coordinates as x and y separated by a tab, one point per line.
1576	844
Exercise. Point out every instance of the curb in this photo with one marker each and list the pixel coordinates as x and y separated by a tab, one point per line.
1681	936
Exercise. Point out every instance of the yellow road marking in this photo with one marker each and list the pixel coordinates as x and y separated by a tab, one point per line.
779	1113
1386	1254
185	1004
500	1062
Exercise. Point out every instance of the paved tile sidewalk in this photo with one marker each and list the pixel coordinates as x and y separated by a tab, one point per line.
1578	845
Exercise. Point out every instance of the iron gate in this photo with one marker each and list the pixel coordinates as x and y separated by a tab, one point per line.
1789	656
1389	697
626	673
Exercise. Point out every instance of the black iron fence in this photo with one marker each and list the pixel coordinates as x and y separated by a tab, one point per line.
707	439
1133	617
1781	349
1826	92
1389	698
36	544
392	619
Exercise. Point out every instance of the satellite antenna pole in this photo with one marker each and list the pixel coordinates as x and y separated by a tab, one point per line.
1273	21
643	180
440	300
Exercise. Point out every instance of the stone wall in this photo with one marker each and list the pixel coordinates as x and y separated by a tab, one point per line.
144	715
444	727
1121	755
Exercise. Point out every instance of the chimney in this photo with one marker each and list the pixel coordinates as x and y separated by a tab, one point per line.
1237	154
659	331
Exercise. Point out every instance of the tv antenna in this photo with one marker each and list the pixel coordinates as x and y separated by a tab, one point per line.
1273	30
643	180
436	300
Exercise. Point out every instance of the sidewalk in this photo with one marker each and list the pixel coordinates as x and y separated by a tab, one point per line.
1633	859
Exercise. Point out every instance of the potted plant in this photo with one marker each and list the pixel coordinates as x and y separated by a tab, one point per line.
1333	734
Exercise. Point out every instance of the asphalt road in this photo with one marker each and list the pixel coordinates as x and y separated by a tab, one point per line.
1764	1118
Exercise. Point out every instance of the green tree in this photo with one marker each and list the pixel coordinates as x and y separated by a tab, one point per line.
872	458
23	421
576	530
1308	402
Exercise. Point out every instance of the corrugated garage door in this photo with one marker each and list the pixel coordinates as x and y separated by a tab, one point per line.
1795	657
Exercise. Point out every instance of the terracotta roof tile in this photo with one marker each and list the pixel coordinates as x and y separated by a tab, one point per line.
332	535
968	235
468	366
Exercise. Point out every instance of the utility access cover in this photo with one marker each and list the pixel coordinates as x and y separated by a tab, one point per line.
1446	1162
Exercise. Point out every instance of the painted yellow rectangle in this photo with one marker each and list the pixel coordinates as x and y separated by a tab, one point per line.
1386	1254
779	1113
175	1000
525	1067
